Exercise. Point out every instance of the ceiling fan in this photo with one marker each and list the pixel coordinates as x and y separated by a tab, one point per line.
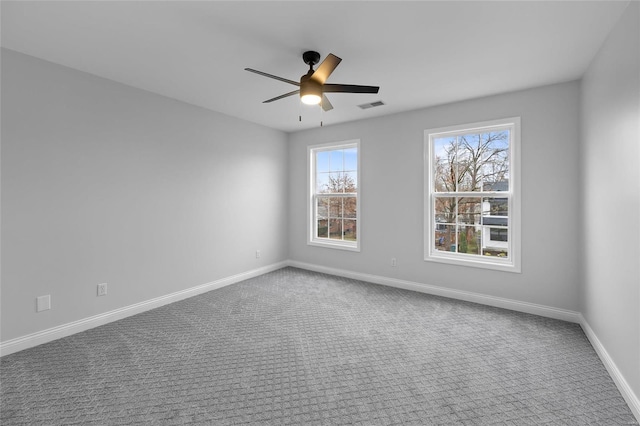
313	84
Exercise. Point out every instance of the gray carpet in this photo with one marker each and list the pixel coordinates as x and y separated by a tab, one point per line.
294	347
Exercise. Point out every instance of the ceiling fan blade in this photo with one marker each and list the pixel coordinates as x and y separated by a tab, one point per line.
295	92
325	69
349	88
286	80
326	105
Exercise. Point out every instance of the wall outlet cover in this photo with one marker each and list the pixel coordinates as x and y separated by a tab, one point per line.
43	303
102	289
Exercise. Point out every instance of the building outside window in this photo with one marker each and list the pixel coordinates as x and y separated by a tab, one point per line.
334	205
472	200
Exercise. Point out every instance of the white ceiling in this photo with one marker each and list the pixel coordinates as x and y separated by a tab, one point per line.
419	53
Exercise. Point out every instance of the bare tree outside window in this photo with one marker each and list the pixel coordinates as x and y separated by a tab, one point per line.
463	164
472	195
335	177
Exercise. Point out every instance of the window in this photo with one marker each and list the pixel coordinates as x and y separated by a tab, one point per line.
472	207
334	205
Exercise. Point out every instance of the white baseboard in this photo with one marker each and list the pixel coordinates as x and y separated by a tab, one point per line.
54	333
499	302
627	393
530	308
64	330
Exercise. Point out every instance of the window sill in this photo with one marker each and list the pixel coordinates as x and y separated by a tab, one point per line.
476	262
340	245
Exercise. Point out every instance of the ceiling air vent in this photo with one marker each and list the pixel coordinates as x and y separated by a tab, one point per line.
371	105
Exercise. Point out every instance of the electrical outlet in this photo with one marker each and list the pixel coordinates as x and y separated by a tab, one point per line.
102	289
43	303
257	254
394	262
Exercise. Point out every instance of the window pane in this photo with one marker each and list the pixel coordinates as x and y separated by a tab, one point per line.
445	237
502	185
350	207
475	247
322	183
336	183
498	252
444	152
498	234
322	207
495	240
467	179
335	229
322	161
350	180
445	209
462	239
495	221
342	182
323	228
494	169
350	230
336	163
350	159
468	240
469	210
492	206
335	207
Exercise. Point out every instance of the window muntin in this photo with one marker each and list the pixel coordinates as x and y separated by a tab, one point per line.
471	201
334	209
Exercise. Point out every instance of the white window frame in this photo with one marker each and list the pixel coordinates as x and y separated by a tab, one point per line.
512	262
312	229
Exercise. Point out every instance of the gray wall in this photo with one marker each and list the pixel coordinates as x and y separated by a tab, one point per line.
610	156
106	183
392	167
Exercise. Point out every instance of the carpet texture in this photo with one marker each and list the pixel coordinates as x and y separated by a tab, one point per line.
294	347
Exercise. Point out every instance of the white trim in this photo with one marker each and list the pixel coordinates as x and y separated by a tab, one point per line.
499	302
530	308
471	260
627	393
38	338
337	244
312	239
431	254
54	333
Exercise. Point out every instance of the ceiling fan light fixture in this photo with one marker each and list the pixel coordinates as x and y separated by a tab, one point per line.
310	93
310	99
